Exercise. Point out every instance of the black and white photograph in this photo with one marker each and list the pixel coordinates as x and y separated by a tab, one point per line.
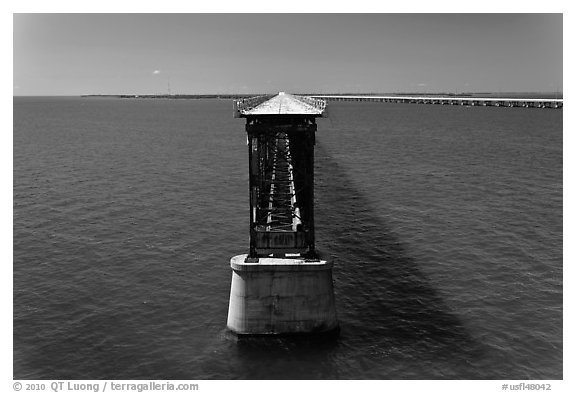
295	196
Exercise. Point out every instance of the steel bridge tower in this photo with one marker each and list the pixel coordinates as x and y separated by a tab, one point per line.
281	286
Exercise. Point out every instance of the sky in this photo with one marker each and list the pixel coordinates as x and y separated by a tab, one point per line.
73	54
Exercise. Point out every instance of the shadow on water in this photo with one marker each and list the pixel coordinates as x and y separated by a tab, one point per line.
382	295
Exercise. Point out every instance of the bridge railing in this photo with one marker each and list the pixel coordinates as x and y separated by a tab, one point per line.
317	103
243	105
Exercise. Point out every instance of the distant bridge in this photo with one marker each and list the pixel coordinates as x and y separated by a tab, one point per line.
447	100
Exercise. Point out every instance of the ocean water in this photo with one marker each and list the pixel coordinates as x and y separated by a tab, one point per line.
444	223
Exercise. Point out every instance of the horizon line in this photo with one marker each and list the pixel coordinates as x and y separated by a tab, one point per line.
268	93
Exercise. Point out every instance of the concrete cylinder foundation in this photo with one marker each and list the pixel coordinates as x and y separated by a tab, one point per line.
277	296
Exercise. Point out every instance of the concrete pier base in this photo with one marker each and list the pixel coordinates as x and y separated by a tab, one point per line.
281	296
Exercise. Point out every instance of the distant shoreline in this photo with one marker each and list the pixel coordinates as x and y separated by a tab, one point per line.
171	96
238	96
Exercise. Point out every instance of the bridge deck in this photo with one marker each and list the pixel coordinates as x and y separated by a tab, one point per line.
286	104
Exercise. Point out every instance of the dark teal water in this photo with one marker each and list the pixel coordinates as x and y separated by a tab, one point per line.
445	225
